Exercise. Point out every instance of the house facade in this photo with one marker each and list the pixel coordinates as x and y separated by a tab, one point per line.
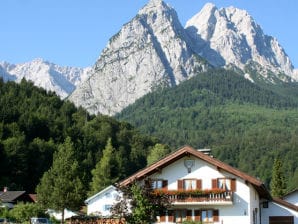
292	197
101	203
206	190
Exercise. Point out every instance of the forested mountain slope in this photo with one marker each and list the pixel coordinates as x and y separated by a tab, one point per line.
244	124
33	123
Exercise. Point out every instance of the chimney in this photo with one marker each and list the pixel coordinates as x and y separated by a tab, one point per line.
206	152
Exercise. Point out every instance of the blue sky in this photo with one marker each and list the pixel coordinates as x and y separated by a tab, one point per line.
74	32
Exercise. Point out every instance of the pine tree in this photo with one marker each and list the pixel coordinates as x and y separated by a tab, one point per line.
60	186
157	152
277	184
104	173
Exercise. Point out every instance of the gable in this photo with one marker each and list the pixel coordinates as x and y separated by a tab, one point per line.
106	193
202	161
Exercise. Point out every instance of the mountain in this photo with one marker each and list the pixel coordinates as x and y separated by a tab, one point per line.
230	37
151	51
51	77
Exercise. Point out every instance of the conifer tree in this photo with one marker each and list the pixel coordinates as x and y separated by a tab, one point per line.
104	173
60	186
277	184
157	152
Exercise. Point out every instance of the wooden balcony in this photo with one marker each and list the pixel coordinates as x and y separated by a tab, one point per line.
200	197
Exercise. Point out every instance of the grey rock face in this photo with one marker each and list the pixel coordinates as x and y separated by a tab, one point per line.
49	76
151	51
230	37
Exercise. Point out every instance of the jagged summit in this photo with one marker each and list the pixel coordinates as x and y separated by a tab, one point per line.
45	74
150	51
232	37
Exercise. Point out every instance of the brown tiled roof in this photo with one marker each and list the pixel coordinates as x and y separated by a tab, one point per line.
285	203
11	196
33	197
187	150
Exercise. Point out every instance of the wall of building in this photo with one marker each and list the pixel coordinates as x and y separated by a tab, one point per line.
275	209
292	198
239	212
100	205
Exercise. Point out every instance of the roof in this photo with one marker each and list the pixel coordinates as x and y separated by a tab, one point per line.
186	151
109	188
285	203
11	196
33	197
291	192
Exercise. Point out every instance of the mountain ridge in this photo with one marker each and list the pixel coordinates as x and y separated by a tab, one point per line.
59	79
227	37
153	50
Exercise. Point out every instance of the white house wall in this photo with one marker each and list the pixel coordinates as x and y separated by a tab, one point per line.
239	212
97	205
275	209
292	198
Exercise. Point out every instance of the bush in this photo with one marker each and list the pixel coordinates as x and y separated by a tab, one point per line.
22	212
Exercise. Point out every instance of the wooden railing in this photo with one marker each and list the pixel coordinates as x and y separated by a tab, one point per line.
212	197
194	197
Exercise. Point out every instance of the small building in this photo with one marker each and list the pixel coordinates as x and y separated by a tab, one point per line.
11	198
101	203
292	197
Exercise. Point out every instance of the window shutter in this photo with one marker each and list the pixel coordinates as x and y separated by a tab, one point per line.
148	183
214	183
171	216
162	216
189	215
215	216
180	184
165	184
233	185
199	184
197	215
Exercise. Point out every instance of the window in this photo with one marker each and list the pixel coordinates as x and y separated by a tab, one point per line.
180	216
157	184
108	195
226	184
209	216
189	184
107	207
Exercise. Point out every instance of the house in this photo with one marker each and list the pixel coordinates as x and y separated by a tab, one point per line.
292	197
10	198
101	203
204	189
278	211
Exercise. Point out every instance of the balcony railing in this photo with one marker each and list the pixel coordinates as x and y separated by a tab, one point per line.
219	197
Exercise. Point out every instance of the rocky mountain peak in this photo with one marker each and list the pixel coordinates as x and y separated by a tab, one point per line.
149	52
47	75
232	37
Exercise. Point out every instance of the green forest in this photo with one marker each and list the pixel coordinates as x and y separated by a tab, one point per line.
244	124
34	124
